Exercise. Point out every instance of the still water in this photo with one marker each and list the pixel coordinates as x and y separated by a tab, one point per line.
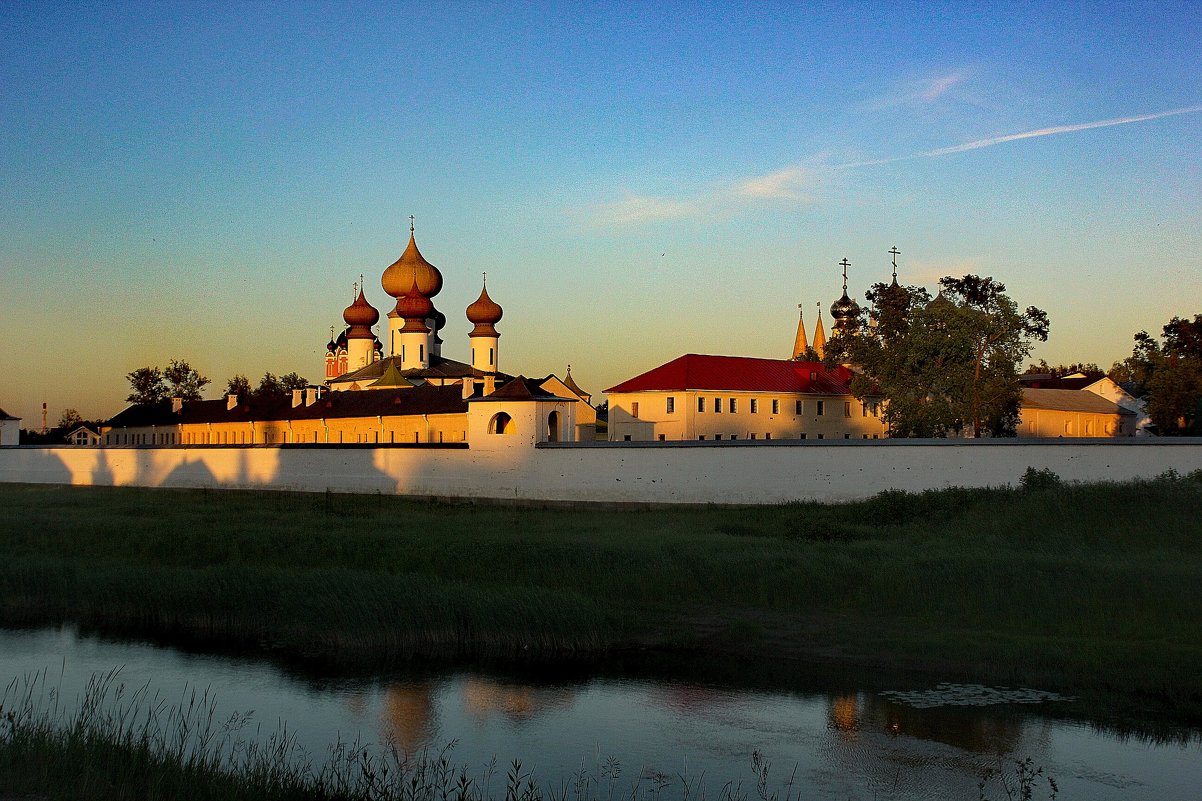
912	742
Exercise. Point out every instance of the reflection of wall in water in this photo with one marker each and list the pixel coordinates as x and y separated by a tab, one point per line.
409	717
991	730
484	697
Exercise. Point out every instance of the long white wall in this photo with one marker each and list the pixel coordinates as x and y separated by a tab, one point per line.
683	473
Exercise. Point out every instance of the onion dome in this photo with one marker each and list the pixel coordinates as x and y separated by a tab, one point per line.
939	302
360	316
844	308
415	308
331	346
411	268
341	341
484	313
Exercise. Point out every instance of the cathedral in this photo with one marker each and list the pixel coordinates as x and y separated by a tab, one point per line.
400	391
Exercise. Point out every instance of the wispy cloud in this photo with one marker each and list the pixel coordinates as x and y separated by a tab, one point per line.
977	144
785	185
918	92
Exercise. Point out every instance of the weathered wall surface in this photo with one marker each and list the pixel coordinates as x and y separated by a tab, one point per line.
688	473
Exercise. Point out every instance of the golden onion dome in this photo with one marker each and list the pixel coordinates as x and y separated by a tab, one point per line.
415	308
360	313
844	308
411	268
484	313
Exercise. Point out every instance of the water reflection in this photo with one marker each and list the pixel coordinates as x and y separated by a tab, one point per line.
844	744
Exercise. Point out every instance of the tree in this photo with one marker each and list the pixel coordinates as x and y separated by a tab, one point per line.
291	381
69	419
942	364
184	382
1060	370
238	385
1168	374
269	387
147	386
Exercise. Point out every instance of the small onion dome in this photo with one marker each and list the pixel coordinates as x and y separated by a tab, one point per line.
360	316
939	301
331	346
415	308
485	314
894	292
440	320
341	341
844	308
411	268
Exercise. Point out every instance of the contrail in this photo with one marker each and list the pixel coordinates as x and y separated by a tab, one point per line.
997	140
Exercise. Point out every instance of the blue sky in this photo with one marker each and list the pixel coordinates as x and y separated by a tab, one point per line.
206	181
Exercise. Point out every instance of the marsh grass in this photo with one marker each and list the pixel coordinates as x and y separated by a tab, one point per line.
1071	586
119	743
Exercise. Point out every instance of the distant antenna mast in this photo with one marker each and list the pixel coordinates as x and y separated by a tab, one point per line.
45	428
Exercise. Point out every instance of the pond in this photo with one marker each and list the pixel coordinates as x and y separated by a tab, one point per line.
915	741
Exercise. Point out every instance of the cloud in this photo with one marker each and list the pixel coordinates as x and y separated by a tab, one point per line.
918	92
977	144
784	185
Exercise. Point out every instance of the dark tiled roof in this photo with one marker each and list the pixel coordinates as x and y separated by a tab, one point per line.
440	367
426	399
740	374
521	389
1046	381
1070	400
6	416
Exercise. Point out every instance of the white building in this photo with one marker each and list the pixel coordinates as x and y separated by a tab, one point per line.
10	429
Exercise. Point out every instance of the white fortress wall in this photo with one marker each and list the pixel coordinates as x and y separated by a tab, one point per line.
638	473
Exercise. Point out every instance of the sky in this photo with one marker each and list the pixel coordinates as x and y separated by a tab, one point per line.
207	181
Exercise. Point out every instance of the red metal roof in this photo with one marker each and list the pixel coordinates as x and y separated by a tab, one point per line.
740	374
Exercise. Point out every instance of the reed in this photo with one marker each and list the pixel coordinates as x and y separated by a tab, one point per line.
1073	586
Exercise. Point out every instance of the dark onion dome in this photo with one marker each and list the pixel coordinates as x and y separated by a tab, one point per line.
440	319
415	308
844	308
939	301
894	292
341	341
484	314
331	346
360	316
411	268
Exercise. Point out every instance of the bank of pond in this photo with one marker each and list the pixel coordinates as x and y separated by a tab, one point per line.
91	718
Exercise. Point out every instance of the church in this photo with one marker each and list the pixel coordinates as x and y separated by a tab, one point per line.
400	391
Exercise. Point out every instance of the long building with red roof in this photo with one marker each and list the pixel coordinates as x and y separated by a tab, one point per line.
703	397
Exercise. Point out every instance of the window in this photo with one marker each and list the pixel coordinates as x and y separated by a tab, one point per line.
500	424
847	408
798	409
755	406
776	406
734	405
671	405
847	436
865	436
626	438
863	409
490	357
768	435
803	435
752	436
701	437
700	404
820	436
718	405
717	436
661	437
634	409
821	408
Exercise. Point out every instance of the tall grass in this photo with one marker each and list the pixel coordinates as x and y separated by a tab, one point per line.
1073	586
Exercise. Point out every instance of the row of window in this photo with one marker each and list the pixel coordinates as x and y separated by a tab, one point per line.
803	435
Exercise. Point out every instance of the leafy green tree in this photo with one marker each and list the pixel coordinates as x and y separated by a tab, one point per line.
291	381
184	381
1169	374
147	386
945	364
69	419
269	387
238	385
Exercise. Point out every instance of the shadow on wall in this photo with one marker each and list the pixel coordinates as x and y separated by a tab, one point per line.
33	465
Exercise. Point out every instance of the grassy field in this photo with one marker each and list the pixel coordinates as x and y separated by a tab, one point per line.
1089	588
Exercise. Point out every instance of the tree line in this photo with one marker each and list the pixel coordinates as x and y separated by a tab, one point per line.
179	379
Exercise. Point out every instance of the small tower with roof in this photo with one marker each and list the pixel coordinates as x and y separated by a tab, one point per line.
819	335
800	344
360	316
413	338
484	314
331	356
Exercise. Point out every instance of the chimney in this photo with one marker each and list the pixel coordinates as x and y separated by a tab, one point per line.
230	402
297	397
490	384
177	405
311	395
468	386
